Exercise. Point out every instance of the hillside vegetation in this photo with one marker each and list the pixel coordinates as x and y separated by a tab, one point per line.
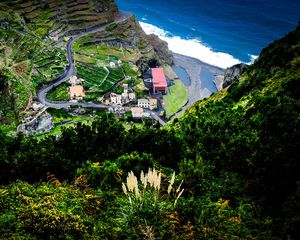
32	50
33	39
235	155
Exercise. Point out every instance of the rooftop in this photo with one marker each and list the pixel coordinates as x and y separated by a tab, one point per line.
153	100
77	90
158	77
143	100
137	110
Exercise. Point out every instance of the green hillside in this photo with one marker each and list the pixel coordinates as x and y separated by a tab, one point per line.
32	49
252	129
235	156
33	40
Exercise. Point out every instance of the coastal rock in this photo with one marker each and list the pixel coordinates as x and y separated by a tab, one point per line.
153	50
219	80
233	73
129	34
161	48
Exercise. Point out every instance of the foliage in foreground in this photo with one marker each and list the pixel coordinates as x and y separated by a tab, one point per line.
237	154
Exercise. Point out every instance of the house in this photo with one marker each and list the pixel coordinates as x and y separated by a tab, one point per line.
147	103
132	96
137	112
159	81
125	86
115	99
112	64
143	103
125	97
76	92
75	81
152	103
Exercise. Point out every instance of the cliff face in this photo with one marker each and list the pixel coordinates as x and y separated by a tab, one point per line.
152	45
233	73
129	34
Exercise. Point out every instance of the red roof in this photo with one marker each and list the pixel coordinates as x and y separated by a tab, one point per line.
158	78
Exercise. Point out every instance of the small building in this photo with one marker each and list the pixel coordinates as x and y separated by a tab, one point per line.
125	97
152	103
159	80
112	64
143	103
137	112
75	81
76	92
125	86
115	99
132	96
147	103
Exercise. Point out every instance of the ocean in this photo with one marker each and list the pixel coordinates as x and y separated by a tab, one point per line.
218	32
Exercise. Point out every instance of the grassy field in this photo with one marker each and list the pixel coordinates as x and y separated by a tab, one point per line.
176	98
59	93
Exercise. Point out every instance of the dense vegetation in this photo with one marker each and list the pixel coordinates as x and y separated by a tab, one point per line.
236	152
236	155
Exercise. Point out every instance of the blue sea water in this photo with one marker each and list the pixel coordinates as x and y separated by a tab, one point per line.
219	32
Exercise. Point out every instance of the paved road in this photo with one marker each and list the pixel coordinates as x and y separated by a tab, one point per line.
70	69
155	116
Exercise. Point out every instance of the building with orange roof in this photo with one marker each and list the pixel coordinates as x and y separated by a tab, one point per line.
152	103
137	112
76	92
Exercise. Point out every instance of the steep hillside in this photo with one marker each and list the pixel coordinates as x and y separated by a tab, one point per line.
52	17
253	129
34	35
236	157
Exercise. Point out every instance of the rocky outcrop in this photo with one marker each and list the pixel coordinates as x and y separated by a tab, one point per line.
153	50
161	48
233	73
41	124
150	50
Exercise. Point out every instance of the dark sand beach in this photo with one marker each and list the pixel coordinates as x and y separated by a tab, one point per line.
201	77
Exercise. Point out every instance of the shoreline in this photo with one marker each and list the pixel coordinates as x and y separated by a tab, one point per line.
194	67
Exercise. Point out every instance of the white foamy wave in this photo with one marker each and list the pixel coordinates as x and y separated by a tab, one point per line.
252	58
192	47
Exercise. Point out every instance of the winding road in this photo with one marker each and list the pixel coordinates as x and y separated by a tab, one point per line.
70	70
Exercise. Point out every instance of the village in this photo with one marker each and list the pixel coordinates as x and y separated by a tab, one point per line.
127	101
39	121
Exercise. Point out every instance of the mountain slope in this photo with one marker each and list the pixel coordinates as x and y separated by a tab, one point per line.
34	35
235	154
253	127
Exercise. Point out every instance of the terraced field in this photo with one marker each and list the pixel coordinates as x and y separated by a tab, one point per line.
99	79
32	44
56	17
